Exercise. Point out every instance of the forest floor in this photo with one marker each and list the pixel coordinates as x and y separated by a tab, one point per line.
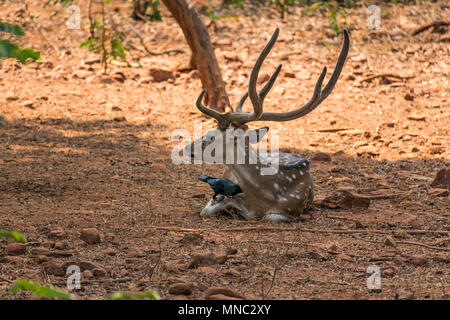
81	149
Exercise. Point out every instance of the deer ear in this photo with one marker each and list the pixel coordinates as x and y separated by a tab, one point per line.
257	135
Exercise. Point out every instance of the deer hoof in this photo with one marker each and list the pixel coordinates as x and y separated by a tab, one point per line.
276	217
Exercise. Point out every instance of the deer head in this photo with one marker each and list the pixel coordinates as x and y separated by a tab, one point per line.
286	193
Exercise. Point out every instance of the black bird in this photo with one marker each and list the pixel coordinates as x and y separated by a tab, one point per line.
222	186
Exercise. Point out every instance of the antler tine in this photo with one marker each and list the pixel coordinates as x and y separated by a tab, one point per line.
323	94
252	93
264	91
210	112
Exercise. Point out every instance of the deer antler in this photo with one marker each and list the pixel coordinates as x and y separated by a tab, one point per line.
240	118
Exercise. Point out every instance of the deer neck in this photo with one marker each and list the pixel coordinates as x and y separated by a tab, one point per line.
249	175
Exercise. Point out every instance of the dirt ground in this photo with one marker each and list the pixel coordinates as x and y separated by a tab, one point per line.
80	149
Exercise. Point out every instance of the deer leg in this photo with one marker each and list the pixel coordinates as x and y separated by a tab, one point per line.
276	217
221	204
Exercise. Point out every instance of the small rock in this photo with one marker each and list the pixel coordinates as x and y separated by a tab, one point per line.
57	233
159	167
40	251
62	253
41	258
119	76
135	254
358	225
180	288
321	156
344	257
231	251
442	179
28	104
99	272
59	245
206	271
221	297
437	150
90	235
317	255
419	260
87	274
221	291
390	242
12	97
389	272
404	294
109	252
288	74
91	61
106	80
54	269
345	200
192	238
233	272
15	248
409	97
206	260
160	75
175	265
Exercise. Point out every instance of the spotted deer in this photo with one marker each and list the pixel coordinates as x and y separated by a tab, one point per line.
284	195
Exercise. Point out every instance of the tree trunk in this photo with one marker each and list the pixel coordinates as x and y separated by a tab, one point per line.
197	36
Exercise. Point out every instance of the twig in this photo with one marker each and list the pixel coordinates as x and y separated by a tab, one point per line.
268	228
386	75
426	26
91	22
334	129
406	242
141	39
6	280
423	245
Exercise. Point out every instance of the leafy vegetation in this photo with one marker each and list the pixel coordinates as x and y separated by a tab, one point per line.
149	295
39	290
12	235
52	293
10	50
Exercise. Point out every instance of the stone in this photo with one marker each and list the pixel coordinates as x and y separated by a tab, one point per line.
40	251
15	248
180	289
221	291
87	274
54	269
90	235
442	179
321	156
160	75
57	233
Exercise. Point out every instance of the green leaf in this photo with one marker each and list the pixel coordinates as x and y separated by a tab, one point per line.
117	49
12	235
23	54
11	28
39	290
10	50
149	295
